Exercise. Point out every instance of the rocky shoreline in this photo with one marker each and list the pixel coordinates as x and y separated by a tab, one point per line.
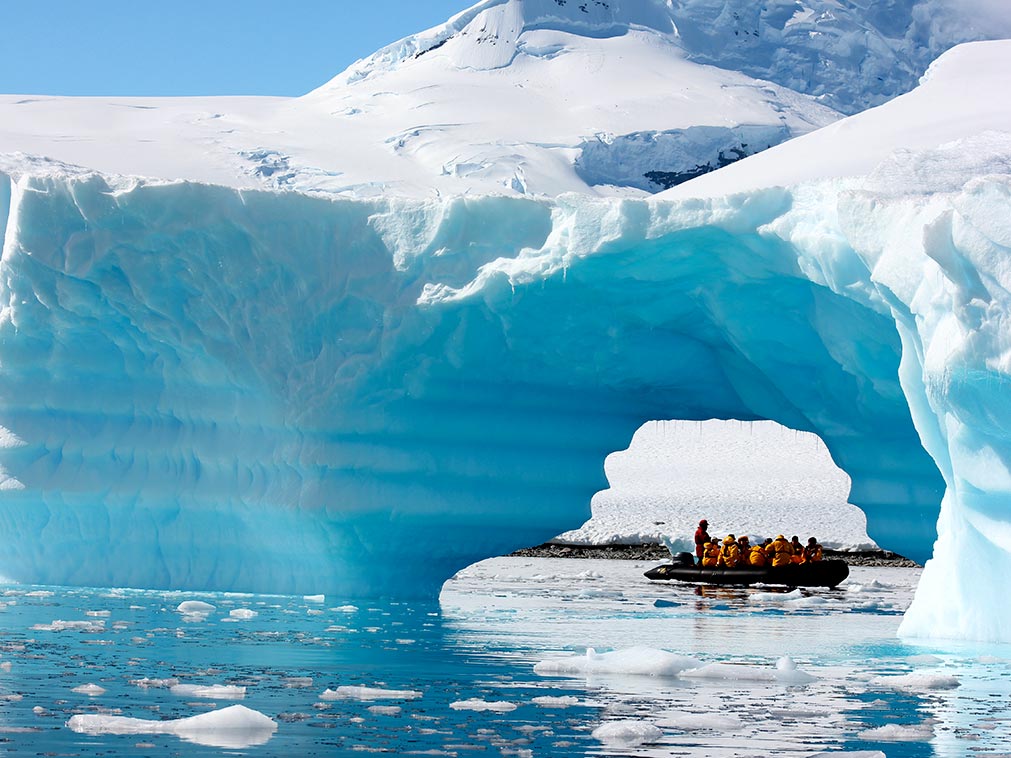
651	552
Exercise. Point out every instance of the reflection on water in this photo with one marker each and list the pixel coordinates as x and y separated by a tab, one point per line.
472	659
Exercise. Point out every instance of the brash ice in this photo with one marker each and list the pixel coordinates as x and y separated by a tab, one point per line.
208	386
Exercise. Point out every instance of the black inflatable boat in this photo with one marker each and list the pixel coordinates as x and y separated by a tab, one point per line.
820	574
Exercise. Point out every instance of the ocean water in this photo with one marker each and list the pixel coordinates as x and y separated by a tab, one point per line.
464	670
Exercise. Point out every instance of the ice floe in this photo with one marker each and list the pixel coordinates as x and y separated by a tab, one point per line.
91	690
210	691
899	733
627	733
917	681
785	672
350	692
638	661
477	704
232	727
551	701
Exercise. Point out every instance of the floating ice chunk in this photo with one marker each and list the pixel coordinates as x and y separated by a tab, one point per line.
851	754
638	661
549	701
368	693
786	672
147	682
295	682
314	598
91	690
98	614
64	626
210	691
243	614
195	606
232	727
898	733
917	681
385	710
698	722
477	704
346	608
774	597
5	666
627	733
924	660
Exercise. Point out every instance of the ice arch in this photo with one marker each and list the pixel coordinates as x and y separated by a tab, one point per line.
203	387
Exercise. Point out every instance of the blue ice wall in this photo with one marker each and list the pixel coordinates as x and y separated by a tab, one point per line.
208	388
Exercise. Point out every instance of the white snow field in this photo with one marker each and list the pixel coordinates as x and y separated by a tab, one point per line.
524	97
235	386
755	477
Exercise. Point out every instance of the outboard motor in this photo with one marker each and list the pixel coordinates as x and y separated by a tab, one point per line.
683	559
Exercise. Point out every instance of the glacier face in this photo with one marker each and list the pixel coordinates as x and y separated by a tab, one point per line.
212	388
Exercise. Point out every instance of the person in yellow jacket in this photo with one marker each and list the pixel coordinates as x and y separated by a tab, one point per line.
710	554
730	552
782	553
798	549
756	556
812	551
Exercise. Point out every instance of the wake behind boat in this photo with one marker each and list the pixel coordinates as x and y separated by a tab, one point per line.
821	574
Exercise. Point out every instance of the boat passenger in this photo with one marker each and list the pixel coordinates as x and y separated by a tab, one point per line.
730	553
767	547
812	551
711	554
756	556
701	538
745	546
798	549
782	553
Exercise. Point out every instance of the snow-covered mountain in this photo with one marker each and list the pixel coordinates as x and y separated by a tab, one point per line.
522	97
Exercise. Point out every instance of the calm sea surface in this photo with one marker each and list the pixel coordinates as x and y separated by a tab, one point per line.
464	670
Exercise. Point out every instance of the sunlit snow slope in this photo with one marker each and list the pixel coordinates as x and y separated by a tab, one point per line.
524	97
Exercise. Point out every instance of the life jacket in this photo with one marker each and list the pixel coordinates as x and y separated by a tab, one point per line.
782	553
710	555
757	556
798	552
812	554
730	554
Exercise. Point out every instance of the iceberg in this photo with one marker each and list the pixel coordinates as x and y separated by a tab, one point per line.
358	389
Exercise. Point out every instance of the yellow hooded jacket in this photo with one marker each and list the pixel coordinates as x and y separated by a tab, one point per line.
730	553
782	553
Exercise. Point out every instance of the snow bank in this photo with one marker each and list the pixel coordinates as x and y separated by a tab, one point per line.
233	727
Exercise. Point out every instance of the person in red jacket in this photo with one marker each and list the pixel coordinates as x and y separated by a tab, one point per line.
701	538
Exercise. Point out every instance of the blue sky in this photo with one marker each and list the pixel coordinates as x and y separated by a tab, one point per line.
197	47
